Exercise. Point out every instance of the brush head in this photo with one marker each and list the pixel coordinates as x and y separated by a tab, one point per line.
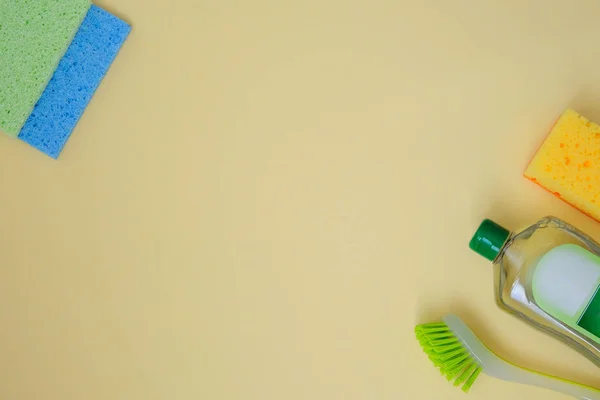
448	353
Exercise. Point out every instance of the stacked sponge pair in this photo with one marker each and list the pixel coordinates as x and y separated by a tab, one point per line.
53	56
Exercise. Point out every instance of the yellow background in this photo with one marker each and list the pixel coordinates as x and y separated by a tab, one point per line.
264	197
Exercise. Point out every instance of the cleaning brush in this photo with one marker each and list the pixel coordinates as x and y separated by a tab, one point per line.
461	357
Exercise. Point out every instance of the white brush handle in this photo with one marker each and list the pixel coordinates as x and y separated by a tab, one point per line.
569	388
495	366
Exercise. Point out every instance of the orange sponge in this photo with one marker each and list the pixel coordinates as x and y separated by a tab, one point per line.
568	163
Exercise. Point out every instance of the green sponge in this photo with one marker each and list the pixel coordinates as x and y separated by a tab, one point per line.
34	35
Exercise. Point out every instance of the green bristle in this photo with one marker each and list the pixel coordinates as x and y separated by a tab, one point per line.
448	354
453	371
466	374
455	361
471	380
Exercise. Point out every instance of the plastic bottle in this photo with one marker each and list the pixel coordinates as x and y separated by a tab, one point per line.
549	276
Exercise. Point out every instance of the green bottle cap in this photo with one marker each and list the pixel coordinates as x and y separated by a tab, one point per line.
489	239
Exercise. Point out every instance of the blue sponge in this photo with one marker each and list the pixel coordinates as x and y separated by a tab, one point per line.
74	82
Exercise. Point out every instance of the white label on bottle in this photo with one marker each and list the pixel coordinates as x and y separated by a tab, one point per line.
566	278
